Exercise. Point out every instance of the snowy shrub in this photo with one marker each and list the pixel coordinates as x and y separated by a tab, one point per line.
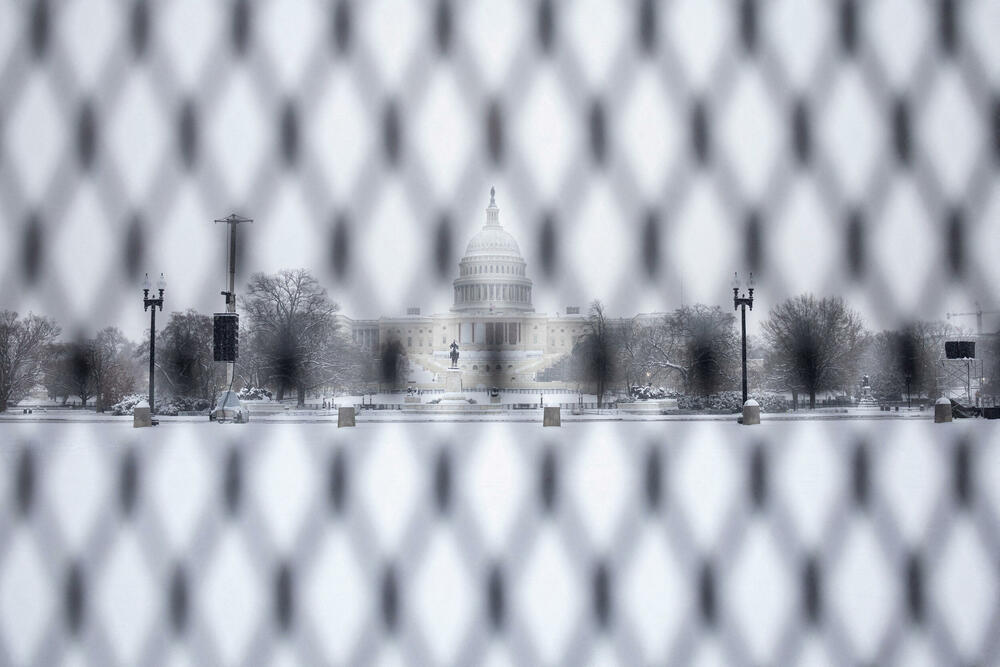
174	405
254	394
127	404
648	393
732	401
167	409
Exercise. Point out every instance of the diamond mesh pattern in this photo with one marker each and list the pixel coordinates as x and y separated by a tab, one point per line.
631	543
642	150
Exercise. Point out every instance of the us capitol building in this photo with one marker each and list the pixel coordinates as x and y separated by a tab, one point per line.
503	341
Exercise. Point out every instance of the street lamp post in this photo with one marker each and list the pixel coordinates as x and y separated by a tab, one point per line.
155	302
908	404
741	301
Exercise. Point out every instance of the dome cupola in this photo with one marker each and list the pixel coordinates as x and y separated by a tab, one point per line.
492	274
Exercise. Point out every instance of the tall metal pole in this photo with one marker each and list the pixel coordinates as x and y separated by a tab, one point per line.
231	288
232	220
152	305
152	355
231	261
742	302
743	318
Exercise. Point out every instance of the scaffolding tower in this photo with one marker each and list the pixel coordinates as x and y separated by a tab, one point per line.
961	380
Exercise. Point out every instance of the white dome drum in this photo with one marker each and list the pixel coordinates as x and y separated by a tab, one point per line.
492	275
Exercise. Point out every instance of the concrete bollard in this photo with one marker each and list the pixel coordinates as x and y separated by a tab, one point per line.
141	416
552	417
751	412
345	417
942	410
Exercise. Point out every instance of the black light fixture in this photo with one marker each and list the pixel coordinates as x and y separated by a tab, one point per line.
155	302
742	301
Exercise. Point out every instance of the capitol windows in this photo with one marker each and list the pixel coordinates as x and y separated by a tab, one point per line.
409	342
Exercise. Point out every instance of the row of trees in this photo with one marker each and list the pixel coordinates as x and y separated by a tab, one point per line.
24	350
104	368
290	342
808	346
293	341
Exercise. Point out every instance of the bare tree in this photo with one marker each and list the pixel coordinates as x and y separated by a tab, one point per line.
69	371
907	354
184	355
597	354
292	323
698	345
250	365
815	344
24	351
112	368
634	354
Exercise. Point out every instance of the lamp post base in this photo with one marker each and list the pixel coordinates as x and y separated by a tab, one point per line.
751	413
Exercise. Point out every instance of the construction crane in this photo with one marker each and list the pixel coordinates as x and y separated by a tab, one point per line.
979	312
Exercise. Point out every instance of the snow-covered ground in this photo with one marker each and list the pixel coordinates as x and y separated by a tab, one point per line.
506	397
327	416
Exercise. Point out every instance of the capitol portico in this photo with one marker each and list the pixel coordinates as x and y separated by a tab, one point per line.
503	341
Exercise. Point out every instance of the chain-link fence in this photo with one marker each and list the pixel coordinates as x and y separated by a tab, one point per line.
642	151
629	543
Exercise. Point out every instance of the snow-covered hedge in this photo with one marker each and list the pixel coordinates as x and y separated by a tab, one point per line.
169	406
648	393
732	401
126	405
254	394
173	405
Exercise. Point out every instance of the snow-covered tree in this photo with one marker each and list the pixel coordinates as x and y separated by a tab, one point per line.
295	334
113	367
25	347
815	344
910	352
697	345
69	371
597	355
185	360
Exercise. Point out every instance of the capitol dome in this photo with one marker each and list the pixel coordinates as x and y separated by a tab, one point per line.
492	241
492	273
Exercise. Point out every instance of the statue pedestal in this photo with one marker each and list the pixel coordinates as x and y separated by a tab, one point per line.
453	381
453	389
867	401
